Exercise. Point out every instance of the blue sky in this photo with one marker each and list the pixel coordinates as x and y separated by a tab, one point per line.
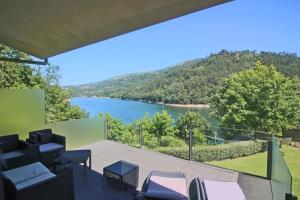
261	25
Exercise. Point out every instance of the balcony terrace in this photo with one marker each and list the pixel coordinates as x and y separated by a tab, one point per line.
90	22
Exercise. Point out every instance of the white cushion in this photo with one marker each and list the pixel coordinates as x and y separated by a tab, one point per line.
28	174
216	190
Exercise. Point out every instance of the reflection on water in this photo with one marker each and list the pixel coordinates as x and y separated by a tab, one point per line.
129	111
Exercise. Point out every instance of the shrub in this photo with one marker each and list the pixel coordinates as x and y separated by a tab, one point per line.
149	140
217	152
171	141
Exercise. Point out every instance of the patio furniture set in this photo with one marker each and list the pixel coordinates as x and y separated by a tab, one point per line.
38	168
41	168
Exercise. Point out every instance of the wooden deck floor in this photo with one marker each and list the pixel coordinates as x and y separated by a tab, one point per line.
107	152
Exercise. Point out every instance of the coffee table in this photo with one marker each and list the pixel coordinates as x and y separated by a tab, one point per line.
124	172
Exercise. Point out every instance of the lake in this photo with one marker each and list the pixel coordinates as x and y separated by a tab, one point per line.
128	110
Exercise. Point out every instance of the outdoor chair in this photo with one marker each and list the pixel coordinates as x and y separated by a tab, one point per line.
50	145
15	152
201	189
36	182
164	186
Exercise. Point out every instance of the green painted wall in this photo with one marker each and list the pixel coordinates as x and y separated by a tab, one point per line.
21	111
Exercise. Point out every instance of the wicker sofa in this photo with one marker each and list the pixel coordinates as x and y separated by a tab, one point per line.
35	182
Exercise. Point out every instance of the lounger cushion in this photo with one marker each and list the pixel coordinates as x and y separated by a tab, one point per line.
216	190
50	147
167	185
27	175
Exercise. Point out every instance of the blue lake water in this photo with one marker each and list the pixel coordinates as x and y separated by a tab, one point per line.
129	111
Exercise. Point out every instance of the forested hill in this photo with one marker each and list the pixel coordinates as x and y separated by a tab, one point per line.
189	82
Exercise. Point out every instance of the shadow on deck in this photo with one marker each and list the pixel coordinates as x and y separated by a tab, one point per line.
92	185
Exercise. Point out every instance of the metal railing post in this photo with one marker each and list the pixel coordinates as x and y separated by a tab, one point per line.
190	144
215	137
105	129
269	161
140	136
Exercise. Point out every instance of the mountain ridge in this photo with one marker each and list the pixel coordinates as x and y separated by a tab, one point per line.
189	82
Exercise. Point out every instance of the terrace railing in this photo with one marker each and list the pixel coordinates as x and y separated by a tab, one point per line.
80	132
278	172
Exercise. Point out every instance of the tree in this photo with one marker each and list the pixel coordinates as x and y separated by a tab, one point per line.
196	123
118	131
260	99
148	138
162	124
20	76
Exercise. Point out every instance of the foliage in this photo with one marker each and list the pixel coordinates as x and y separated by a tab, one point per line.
162	124
260	99
118	131
20	76
217	152
171	141
58	107
190	82
156	131
196	123
148	138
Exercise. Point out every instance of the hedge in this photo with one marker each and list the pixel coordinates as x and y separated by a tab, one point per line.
217	152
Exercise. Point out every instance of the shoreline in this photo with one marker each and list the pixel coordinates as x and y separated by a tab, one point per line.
188	105
198	106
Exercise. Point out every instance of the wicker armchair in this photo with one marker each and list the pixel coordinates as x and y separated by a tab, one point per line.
50	145
15	152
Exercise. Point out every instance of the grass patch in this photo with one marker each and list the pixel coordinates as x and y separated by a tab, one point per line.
292	156
257	164
254	164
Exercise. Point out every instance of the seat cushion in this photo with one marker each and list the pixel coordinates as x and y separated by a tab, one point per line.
12	154
216	190
9	143
50	147
167	185
29	174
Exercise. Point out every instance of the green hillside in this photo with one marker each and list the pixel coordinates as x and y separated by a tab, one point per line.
189	82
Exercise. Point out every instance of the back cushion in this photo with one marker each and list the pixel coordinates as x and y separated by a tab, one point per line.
9	143
45	136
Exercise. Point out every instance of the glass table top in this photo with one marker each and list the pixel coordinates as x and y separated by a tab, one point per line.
121	167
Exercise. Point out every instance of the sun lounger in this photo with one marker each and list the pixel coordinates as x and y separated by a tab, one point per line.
215	190
165	186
